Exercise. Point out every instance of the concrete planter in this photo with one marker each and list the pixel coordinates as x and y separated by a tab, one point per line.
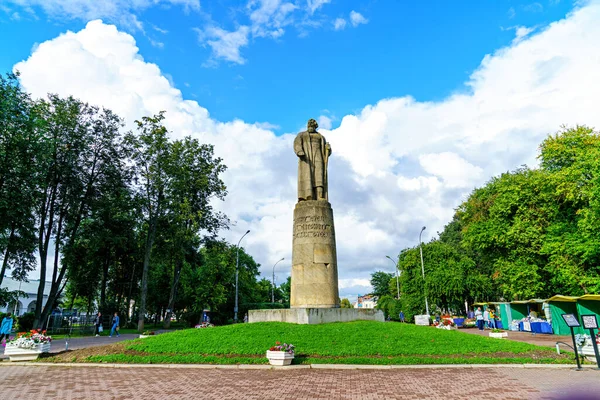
588	352
279	357
19	354
423	320
498	335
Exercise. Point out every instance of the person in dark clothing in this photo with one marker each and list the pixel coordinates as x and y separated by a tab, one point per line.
98	324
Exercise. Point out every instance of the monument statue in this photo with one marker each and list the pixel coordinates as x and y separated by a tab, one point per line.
313	155
314	297
314	258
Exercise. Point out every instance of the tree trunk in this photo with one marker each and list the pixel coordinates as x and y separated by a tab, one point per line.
147	254
173	296
7	252
103	284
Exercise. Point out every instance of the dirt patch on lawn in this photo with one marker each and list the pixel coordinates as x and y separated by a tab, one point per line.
82	355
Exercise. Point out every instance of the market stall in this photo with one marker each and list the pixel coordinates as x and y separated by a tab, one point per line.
577	305
563	305
529	316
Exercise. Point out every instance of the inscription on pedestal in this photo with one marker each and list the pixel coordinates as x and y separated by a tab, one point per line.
313	226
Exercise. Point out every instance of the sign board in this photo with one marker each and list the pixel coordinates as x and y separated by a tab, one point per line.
571	320
527	326
589	321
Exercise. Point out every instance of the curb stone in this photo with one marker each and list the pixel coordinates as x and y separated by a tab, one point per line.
300	366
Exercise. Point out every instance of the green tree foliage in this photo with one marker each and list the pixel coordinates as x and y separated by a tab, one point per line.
19	150
345	303
381	283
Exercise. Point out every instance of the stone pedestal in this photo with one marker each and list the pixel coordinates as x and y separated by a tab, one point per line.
315	315
314	258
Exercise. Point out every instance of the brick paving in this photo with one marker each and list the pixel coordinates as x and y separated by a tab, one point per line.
59	382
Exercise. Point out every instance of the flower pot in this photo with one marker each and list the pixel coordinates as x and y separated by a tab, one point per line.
21	354
279	357
498	335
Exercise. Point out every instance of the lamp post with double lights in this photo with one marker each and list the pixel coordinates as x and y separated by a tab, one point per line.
397	277
423	271
237	264
273	289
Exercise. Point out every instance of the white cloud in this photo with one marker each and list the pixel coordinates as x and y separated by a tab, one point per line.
521	32
269	17
454	170
122	12
339	24
314	5
225	45
397	165
324	122
357	18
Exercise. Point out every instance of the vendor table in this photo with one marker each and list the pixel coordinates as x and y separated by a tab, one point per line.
537	327
459	321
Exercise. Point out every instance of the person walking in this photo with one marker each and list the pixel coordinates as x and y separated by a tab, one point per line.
6	328
486	319
115	325
98	324
479	318
401	315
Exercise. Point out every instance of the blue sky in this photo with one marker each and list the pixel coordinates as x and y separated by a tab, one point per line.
421	101
426	49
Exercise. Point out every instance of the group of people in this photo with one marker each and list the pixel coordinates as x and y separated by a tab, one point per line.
114	325
486	319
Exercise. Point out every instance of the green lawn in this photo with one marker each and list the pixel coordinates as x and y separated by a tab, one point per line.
360	342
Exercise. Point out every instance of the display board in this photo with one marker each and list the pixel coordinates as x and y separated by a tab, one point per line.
571	320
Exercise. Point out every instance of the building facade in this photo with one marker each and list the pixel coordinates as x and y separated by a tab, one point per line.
28	302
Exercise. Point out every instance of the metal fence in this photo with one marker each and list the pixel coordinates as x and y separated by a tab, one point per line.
63	324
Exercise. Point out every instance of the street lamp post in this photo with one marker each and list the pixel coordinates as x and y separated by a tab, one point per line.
397	277
273	289
237	263
423	271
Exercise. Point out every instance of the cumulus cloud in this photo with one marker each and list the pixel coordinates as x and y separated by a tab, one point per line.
357	18
122	12
396	165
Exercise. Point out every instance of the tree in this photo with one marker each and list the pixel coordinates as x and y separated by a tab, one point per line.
80	145
381	283
19	147
150	152
345	303
193	181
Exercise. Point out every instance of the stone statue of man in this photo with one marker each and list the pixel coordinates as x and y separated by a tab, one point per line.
313	155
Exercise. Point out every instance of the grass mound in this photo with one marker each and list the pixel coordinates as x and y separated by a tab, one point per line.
360	342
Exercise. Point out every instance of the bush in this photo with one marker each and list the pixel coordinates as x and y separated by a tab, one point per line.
25	322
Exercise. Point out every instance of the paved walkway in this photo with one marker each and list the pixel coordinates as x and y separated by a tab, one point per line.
59	345
539	339
59	382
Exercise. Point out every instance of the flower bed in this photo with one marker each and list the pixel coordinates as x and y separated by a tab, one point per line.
445	323
27	346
